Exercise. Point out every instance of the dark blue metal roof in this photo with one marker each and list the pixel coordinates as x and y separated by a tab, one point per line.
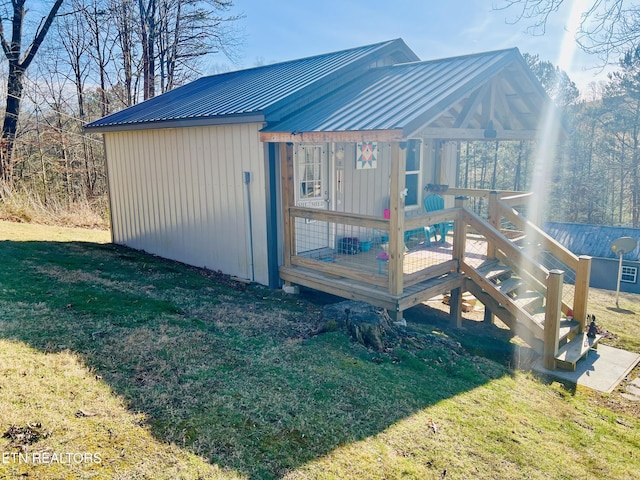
245	95
592	240
405	96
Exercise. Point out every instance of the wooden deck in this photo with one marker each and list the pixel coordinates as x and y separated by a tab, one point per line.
369	280
373	294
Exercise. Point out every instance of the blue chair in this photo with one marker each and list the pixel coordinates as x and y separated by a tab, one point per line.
434	203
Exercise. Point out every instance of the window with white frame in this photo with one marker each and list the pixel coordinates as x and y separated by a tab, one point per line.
629	274
413	173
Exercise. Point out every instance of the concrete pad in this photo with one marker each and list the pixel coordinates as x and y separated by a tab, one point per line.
633	390
602	370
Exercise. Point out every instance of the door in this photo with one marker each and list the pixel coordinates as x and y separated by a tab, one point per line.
311	178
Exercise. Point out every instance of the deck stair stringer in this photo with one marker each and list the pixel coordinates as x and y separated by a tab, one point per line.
522	309
531	338
494	285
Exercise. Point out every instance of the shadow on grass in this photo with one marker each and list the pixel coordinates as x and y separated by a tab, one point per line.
231	372
621	310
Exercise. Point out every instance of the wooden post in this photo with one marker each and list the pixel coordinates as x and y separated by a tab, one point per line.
581	294
288	199
396	220
459	249
553	313
494	221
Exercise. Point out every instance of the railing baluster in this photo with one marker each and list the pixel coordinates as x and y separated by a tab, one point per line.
581	295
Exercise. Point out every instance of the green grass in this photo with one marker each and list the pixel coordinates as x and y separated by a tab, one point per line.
167	371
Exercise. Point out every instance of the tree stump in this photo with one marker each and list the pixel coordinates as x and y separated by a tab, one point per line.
366	324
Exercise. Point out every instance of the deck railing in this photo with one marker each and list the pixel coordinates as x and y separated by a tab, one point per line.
529	250
392	253
362	247
550	254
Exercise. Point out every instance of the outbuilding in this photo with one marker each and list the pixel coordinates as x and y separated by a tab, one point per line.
596	241
339	172
195	174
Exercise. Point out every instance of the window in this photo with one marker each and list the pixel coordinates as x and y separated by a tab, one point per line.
629	274
412	173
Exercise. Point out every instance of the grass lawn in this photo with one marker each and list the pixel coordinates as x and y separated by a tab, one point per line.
119	365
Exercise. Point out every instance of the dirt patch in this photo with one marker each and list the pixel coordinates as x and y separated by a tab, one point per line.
27	435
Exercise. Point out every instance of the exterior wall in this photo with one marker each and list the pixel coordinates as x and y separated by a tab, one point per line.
449	173
604	274
180	193
367	191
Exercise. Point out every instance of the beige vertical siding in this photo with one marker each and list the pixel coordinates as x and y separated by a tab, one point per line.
365	191
449	169
179	193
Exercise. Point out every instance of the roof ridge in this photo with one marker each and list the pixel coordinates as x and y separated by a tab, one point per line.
301	59
459	57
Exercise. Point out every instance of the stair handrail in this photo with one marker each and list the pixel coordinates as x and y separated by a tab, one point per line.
519	199
580	264
547	242
520	260
521	263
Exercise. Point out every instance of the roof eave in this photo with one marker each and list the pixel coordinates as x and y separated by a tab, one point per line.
177	123
346	136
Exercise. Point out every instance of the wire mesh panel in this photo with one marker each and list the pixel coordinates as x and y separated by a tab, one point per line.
346	246
422	250
476	249
341	246
550	262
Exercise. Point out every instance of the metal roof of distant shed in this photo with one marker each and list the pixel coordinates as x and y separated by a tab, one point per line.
592	240
243	95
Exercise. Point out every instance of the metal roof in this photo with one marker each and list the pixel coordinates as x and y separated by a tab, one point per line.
404	96
592	240
245	95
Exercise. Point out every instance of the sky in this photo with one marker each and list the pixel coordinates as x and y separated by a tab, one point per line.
280	30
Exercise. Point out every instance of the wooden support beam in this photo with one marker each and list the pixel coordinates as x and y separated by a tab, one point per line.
451	133
396	220
494	221
459	249
552	317
470	107
337	137
288	200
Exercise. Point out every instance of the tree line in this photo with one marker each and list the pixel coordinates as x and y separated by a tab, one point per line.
73	61
594	176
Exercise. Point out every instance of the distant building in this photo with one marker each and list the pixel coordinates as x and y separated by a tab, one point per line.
595	241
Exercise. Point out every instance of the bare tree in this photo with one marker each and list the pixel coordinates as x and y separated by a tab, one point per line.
18	64
188	30
607	28
102	43
124	13
174	34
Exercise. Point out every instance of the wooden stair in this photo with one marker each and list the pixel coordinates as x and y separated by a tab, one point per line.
522	309
494	284
574	350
